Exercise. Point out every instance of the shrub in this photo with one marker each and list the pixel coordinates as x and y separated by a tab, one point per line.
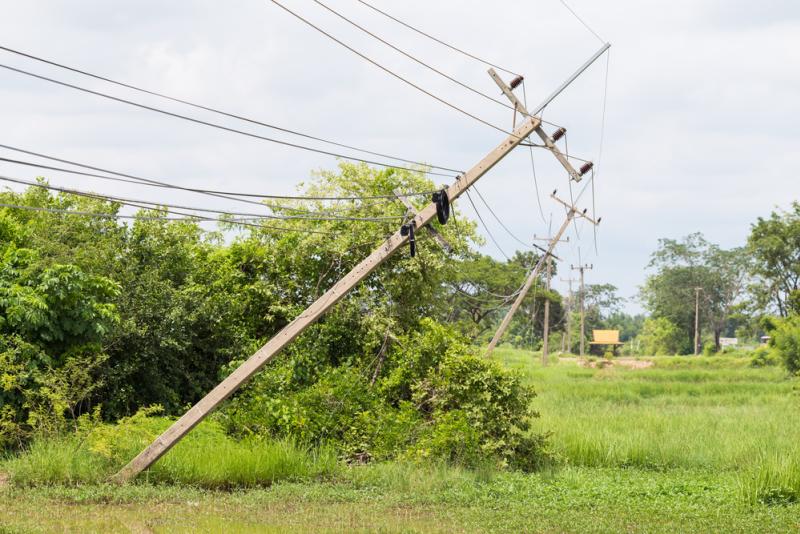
660	337
764	357
435	400
786	341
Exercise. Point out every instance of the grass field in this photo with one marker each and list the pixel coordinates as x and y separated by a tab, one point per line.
700	445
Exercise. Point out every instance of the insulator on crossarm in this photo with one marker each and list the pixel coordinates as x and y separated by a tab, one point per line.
515	82
586	167
558	134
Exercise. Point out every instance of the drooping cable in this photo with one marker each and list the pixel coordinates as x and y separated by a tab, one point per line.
600	150
533	162
497	218
147	203
219	111
213	124
204	191
431	37
388	70
485	227
273	207
183	217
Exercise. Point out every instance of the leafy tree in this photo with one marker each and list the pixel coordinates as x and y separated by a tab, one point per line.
660	337
774	243
682	266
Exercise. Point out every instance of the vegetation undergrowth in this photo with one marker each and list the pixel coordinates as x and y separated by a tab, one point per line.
206	458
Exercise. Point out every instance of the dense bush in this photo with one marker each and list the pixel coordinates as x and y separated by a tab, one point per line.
660	337
95	314
764	357
433	399
786	341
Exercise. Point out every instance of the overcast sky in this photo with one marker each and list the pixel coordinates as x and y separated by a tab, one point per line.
701	126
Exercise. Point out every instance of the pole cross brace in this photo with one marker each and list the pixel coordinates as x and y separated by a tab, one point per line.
574	210
546	139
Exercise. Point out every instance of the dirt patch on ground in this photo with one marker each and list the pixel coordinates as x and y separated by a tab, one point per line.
628	363
4	479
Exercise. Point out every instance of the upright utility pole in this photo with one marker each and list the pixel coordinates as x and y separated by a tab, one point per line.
569	312
581	269
572	212
546	327
697	291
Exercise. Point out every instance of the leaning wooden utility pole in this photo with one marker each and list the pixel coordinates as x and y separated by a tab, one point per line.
548	279
252	365
207	404
581	269
697	291
572	212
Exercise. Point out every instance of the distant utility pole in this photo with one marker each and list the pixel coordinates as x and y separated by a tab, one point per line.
569	313
549	276
697	291
572	212
581	269
531	125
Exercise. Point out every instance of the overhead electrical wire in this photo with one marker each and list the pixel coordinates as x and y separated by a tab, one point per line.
213	124
600	150
184	217
147	203
509	232
441	42
99	215
221	112
412	57
203	191
280	207
486	227
388	70
585	24
533	162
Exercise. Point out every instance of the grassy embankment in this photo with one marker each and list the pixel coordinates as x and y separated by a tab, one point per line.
689	444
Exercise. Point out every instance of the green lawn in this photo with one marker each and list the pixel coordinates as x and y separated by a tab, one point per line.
688	445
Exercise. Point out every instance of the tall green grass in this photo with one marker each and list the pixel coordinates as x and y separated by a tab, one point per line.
206	458
773	478
707	413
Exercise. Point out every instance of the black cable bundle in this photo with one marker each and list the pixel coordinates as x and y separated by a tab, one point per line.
408	230
442	202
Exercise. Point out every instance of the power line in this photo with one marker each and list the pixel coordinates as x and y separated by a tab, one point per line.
602	142
485	227
414	58
527	245
533	162
157	183
387	70
220	112
147	203
585	24
187	217
212	124
325	211
451	47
